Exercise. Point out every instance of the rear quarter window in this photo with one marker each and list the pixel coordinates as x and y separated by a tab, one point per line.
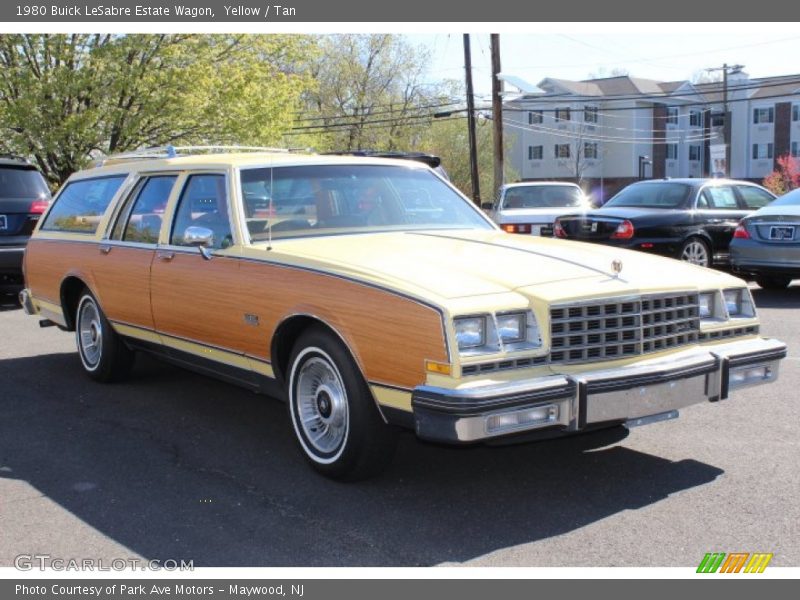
80	206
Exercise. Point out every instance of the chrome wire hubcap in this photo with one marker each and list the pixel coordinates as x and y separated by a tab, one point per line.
321	405
90	333
695	253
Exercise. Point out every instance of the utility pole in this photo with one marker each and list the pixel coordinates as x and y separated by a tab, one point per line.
726	126
497	112
473	142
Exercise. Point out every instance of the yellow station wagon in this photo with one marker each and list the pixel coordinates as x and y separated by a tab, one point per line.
370	295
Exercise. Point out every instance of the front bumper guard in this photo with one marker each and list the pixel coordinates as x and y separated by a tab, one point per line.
570	403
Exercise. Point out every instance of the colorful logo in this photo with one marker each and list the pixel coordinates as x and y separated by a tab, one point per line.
736	562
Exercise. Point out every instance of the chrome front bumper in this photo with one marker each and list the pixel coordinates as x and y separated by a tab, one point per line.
636	394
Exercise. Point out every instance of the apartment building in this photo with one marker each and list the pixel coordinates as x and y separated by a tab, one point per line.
609	132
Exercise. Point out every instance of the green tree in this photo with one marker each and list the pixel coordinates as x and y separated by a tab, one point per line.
67	98
369	94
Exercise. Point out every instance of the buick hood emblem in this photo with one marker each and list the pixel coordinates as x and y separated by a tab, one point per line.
616	266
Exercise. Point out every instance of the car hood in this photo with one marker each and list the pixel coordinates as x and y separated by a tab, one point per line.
449	264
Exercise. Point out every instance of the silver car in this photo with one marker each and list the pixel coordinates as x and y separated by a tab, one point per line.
766	244
532	207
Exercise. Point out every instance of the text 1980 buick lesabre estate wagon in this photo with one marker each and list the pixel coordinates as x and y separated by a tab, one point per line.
370	294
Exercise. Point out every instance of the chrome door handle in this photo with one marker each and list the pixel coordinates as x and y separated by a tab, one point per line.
104	248
166	256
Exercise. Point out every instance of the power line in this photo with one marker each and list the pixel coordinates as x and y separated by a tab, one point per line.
367	127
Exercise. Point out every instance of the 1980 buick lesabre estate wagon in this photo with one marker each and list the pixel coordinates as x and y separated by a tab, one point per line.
369	294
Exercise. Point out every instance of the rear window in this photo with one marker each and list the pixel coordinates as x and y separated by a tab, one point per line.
81	204
789	199
542	196
652	195
22	182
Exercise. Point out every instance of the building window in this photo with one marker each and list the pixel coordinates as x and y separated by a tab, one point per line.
795	149
695	118
764	115
694	152
534	117
717	120
672	115
761	151
590	150
590	114
562	114
796	112
535	152
562	150
672	151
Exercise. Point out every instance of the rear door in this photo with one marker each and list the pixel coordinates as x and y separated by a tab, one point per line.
23	197
718	213
125	255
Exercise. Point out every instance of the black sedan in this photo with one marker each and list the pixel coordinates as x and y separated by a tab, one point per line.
689	219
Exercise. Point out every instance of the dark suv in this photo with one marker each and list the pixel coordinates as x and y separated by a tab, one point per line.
24	196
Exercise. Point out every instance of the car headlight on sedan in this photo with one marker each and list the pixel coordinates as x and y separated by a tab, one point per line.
505	331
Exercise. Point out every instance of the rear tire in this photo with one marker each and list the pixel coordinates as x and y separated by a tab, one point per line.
696	251
335	419
104	356
773	283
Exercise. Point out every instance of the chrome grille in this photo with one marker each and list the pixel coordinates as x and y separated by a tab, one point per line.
613	328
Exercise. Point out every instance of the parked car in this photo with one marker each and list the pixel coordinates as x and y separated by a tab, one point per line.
689	219
24	196
374	296
531	207
766	245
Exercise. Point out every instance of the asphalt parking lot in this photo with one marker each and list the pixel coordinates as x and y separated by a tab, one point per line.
173	465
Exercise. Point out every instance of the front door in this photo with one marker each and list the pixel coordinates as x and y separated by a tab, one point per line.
195	294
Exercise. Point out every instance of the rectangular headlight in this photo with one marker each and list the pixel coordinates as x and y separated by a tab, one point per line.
470	332
512	327
739	304
707	305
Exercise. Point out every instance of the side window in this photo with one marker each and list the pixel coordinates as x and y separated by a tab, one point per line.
141	219
754	197
703	202
721	198
203	203
81	205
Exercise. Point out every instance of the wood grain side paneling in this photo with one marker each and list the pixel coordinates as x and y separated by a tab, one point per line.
49	262
391	336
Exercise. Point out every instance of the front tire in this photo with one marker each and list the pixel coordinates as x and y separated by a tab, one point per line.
104	356
696	251
335	420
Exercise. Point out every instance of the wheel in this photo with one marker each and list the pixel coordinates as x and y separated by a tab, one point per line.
334	416
696	251
104	356
773	283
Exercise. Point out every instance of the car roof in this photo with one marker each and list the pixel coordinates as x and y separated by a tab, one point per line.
539	184
696	181
123	165
9	160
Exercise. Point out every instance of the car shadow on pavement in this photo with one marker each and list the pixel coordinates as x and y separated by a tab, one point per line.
788	298
173	465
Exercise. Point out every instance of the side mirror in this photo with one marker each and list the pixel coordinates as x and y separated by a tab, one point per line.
198	236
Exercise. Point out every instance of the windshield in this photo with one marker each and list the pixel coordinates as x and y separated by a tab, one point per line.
325	199
543	196
24	182
652	195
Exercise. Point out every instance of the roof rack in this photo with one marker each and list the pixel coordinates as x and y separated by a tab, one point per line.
176	151
9	156
429	159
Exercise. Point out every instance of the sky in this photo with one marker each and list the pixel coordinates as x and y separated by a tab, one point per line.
639	49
